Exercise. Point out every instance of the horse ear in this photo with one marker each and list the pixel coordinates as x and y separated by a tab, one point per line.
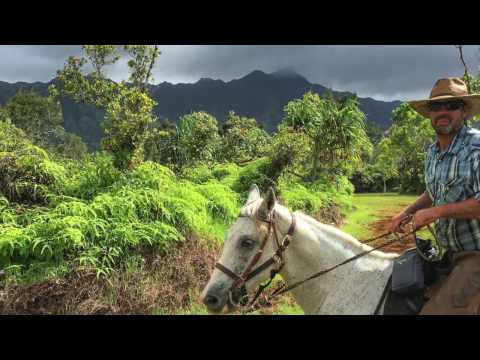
268	203
254	194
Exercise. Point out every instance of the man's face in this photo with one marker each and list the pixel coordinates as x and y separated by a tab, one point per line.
447	117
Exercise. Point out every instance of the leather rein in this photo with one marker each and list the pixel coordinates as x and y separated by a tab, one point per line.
238	288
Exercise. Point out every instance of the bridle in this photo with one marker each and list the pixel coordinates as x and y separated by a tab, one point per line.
238	291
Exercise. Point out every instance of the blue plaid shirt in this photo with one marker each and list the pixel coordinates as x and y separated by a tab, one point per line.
453	176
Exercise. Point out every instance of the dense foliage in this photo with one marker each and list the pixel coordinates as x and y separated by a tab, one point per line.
96	216
155	184
89	213
335	128
41	119
242	139
128	106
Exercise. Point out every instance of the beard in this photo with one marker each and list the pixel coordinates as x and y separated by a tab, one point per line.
446	128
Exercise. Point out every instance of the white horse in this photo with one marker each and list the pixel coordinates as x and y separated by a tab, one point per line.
354	288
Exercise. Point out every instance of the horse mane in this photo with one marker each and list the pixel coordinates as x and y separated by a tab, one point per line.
349	239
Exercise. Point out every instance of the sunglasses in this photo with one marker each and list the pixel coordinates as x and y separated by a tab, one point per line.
448	105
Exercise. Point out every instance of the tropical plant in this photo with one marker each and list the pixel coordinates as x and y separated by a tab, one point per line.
242	139
336	129
402	153
128	107
198	138
38	116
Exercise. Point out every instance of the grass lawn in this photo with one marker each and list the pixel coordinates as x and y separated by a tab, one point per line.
369	208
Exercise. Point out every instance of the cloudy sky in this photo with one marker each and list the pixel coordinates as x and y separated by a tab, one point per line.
381	72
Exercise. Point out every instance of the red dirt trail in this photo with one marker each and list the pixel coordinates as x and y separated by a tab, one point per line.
380	227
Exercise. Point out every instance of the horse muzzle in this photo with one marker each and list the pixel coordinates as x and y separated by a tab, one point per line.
221	302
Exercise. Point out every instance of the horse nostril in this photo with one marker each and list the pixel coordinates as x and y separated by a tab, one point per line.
210	300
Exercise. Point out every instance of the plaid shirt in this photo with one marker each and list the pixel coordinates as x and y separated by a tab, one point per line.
454	176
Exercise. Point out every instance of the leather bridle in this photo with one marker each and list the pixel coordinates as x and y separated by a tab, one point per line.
238	292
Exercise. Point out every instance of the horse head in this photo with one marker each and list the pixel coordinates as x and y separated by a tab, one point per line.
247	243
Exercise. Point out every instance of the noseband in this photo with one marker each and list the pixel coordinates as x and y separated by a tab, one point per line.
238	286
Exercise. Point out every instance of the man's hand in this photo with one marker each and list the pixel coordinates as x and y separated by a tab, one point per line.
425	217
423	202
396	221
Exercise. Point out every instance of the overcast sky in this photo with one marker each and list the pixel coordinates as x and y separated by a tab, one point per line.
381	72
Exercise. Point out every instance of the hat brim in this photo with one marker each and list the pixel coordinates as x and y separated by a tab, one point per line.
472	104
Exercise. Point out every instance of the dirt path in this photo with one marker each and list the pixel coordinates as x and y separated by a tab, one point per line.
380	227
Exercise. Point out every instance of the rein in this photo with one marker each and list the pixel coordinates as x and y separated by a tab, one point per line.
283	289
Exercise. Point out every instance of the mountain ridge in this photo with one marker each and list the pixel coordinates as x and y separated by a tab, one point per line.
258	94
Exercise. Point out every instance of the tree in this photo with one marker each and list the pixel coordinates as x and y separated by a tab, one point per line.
12	138
402	153
4	116
198	138
128	120
473	83
336	128
41	118
67	145
374	132
141	64
35	114
242	139
290	150
100	56
384	163
380	170
128	107
162	147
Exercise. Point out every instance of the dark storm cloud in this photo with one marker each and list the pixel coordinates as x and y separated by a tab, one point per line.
378	71
33	62
382	72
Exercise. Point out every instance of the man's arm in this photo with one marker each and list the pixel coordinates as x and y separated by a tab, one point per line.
466	210
422	202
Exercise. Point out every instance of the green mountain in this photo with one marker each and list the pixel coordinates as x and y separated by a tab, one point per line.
258	94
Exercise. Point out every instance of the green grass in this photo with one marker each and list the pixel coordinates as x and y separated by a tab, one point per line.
195	309
289	309
369	208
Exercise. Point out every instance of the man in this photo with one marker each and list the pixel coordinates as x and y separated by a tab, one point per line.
452	196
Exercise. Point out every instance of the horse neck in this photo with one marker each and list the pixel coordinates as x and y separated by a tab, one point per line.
315	247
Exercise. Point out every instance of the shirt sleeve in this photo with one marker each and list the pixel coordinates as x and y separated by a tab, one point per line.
426	170
475	171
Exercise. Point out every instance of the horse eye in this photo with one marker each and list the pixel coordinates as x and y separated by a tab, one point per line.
247	243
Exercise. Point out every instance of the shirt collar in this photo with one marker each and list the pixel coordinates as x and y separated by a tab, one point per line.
455	145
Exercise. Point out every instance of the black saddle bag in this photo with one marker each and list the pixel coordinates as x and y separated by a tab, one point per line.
408	275
411	275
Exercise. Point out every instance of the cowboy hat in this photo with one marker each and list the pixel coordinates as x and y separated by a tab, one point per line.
449	89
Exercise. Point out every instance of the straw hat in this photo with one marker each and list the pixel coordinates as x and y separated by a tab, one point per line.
449	89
